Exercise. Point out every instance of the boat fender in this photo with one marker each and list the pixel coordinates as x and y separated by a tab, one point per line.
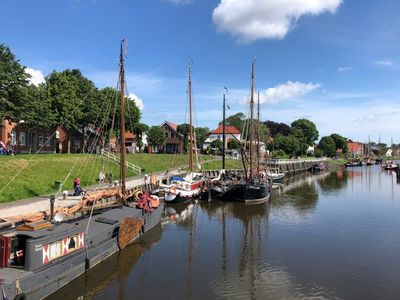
87	260
21	296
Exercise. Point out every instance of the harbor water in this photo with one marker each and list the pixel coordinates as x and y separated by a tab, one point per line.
322	236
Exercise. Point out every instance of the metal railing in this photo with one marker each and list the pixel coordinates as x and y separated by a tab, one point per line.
288	161
114	158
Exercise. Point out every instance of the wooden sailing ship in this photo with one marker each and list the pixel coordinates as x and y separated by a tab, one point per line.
40	253
188	187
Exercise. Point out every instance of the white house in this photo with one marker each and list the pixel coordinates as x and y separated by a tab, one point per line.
231	132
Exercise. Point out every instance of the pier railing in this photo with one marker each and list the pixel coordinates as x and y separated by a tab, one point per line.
293	165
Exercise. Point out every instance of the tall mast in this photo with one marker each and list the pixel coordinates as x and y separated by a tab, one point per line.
190	122
258	132
223	133
251	121
369	147
122	116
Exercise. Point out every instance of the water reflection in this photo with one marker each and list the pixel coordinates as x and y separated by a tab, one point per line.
324	236
334	181
295	201
112	272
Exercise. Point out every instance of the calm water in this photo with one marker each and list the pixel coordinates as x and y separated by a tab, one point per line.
327	236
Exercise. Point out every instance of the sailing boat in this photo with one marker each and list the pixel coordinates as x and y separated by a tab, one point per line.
186	188
218	187
252	188
43	251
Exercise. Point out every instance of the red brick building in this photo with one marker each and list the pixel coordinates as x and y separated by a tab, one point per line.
355	148
22	139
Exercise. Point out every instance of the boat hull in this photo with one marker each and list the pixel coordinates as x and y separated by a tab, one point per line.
249	194
173	198
43	282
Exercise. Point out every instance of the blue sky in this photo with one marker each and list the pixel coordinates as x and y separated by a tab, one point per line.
334	62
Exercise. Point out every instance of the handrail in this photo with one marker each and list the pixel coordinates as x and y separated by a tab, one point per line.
116	159
284	161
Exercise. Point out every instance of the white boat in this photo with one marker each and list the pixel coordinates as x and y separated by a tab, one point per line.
188	187
274	175
185	188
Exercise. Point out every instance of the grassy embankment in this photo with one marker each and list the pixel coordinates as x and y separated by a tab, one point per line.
34	177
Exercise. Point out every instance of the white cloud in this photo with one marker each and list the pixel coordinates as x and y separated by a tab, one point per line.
37	76
139	102
344	69
285	91
251	20
383	63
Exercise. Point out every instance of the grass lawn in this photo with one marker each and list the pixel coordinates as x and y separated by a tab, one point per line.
229	164
35	176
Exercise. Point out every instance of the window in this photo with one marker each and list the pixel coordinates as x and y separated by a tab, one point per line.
72	243
22	138
40	138
47	140
77	144
13	136
166	134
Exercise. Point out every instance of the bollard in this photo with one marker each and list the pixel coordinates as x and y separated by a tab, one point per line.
52	200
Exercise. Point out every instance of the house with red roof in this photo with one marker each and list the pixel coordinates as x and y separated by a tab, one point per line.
173	141
231	132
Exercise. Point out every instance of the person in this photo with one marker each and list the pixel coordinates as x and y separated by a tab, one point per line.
77	186
102	177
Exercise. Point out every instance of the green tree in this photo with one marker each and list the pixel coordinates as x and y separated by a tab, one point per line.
201	133
109	100
327	145
184	129
340	142
234	144
289	144
155	136
236	120
36	111
217	144
139	130
307	129
12	79
303	144
63	88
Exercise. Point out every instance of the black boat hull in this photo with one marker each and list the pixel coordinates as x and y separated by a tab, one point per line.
40	284
249	194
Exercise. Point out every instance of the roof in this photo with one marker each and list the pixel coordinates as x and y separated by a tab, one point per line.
228	129
170	124
129	135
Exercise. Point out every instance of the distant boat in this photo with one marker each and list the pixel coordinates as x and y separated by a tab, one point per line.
389	165
370	162
318	167
351	164
275	175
